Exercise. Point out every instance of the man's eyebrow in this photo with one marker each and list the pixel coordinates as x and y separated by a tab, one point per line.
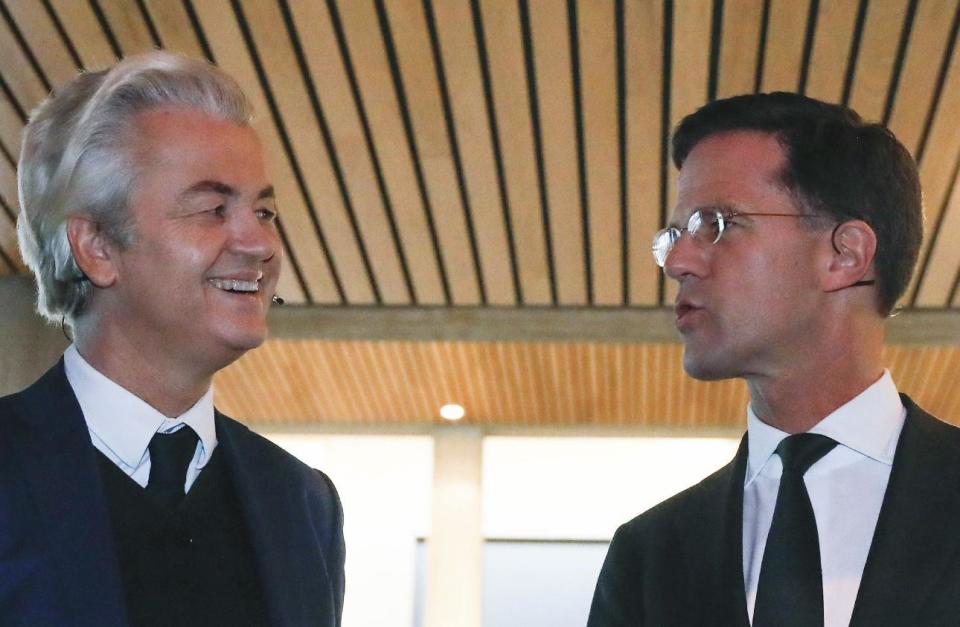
219	187
723	208
717	207
216	187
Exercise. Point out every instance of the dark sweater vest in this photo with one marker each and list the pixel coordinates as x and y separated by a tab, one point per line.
190	566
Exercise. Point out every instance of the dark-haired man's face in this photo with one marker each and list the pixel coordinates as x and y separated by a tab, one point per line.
747	305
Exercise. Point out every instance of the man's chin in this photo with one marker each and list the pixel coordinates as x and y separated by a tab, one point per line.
703	368
249	343
236	342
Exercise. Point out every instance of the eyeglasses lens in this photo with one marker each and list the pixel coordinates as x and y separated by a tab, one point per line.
704	226
663	243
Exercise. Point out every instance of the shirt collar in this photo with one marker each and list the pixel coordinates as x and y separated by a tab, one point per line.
869	424
125	422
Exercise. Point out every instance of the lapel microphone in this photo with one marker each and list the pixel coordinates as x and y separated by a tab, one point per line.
277	300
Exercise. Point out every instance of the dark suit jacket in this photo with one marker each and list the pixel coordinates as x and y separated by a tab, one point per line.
681	562
57	560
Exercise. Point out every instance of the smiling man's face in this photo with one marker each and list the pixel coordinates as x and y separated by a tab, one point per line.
200	271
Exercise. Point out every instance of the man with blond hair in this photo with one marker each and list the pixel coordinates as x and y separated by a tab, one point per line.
126	498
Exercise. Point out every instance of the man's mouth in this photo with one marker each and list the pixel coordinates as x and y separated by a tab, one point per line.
237	286
683	311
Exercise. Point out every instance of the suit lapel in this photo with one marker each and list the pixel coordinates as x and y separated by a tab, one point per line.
915	541
729	550
60	464
706	584
290	564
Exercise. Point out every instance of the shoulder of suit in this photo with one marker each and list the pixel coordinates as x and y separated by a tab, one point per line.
270	453
687	507
52	385
9	406
936	428
10	401
243	437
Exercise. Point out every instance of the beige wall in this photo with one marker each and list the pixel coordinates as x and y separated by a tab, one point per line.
28	346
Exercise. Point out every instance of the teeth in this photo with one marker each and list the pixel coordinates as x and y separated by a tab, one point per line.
235	285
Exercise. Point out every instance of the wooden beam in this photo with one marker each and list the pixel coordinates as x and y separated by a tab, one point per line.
479	324
632	325
473	324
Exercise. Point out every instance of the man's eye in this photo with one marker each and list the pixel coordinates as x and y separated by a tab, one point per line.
711	223
219	210
268	215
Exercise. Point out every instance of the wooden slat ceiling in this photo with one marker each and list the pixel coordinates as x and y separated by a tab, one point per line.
526	384
503	153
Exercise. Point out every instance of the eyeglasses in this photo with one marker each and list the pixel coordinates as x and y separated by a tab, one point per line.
706	226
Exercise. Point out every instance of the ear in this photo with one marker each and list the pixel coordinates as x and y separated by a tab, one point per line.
93	250
854	247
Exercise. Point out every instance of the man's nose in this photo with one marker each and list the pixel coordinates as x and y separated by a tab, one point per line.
685	258
254	237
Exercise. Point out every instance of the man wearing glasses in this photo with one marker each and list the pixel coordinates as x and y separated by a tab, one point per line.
796	229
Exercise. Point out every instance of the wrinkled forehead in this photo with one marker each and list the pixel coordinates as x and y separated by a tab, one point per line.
699	215
181	142
733	170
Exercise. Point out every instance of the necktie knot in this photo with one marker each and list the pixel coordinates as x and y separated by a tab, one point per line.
170	454
801	450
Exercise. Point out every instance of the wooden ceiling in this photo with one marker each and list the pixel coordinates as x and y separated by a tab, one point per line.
519	384
501	154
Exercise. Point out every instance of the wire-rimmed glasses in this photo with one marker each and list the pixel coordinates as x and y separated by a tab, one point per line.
705	226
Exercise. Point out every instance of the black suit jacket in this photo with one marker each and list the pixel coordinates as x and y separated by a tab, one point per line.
57	560
680	563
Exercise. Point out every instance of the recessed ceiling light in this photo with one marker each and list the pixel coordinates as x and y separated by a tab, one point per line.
452	411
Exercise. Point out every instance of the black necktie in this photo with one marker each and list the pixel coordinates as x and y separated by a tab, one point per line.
169	455
790	590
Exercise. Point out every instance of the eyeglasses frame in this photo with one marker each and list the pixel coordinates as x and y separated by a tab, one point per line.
723	218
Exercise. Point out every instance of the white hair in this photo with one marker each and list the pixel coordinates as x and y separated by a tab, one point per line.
78	158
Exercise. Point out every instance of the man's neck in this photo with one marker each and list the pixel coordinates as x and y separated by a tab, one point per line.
839	362
795	403
170	388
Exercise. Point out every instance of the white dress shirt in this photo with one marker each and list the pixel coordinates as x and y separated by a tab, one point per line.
846	490
121	424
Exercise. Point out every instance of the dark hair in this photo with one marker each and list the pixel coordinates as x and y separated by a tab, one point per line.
837	166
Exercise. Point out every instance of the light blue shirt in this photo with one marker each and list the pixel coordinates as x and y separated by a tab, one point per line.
846	489
122	424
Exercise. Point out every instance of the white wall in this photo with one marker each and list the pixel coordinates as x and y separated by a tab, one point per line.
385	485
572	489
534	488
569	488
